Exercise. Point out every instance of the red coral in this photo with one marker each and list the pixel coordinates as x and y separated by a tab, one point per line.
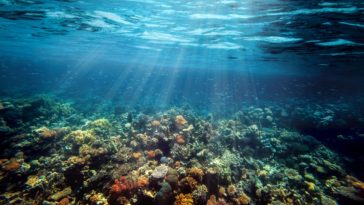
123	184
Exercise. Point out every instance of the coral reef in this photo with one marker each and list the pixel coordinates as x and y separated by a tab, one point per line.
249	157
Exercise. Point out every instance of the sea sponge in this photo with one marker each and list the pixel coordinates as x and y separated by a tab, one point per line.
184	199
196	173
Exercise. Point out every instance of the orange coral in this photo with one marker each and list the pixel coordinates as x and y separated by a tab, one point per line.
355	182
180	139
123	184
151	154
196	173
137	155
180	120
212	200
12	166
3	161
184	199
64	201
143	181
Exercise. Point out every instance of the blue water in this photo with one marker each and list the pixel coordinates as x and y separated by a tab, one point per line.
193	51
215	57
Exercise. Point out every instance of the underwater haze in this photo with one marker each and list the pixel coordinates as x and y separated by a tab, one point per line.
205	102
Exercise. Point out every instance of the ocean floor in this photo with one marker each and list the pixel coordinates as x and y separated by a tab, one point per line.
53	152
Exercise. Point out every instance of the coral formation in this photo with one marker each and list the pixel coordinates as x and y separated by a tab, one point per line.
161	158
184	199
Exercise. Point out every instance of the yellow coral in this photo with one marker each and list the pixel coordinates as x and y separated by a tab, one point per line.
98	198
45	132
156	123
100	123
76	160
87	151
184	199
81	137
180	120
196	173
32	180
310	186
231	190
244	199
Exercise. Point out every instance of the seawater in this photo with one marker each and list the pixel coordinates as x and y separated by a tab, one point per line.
268	86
